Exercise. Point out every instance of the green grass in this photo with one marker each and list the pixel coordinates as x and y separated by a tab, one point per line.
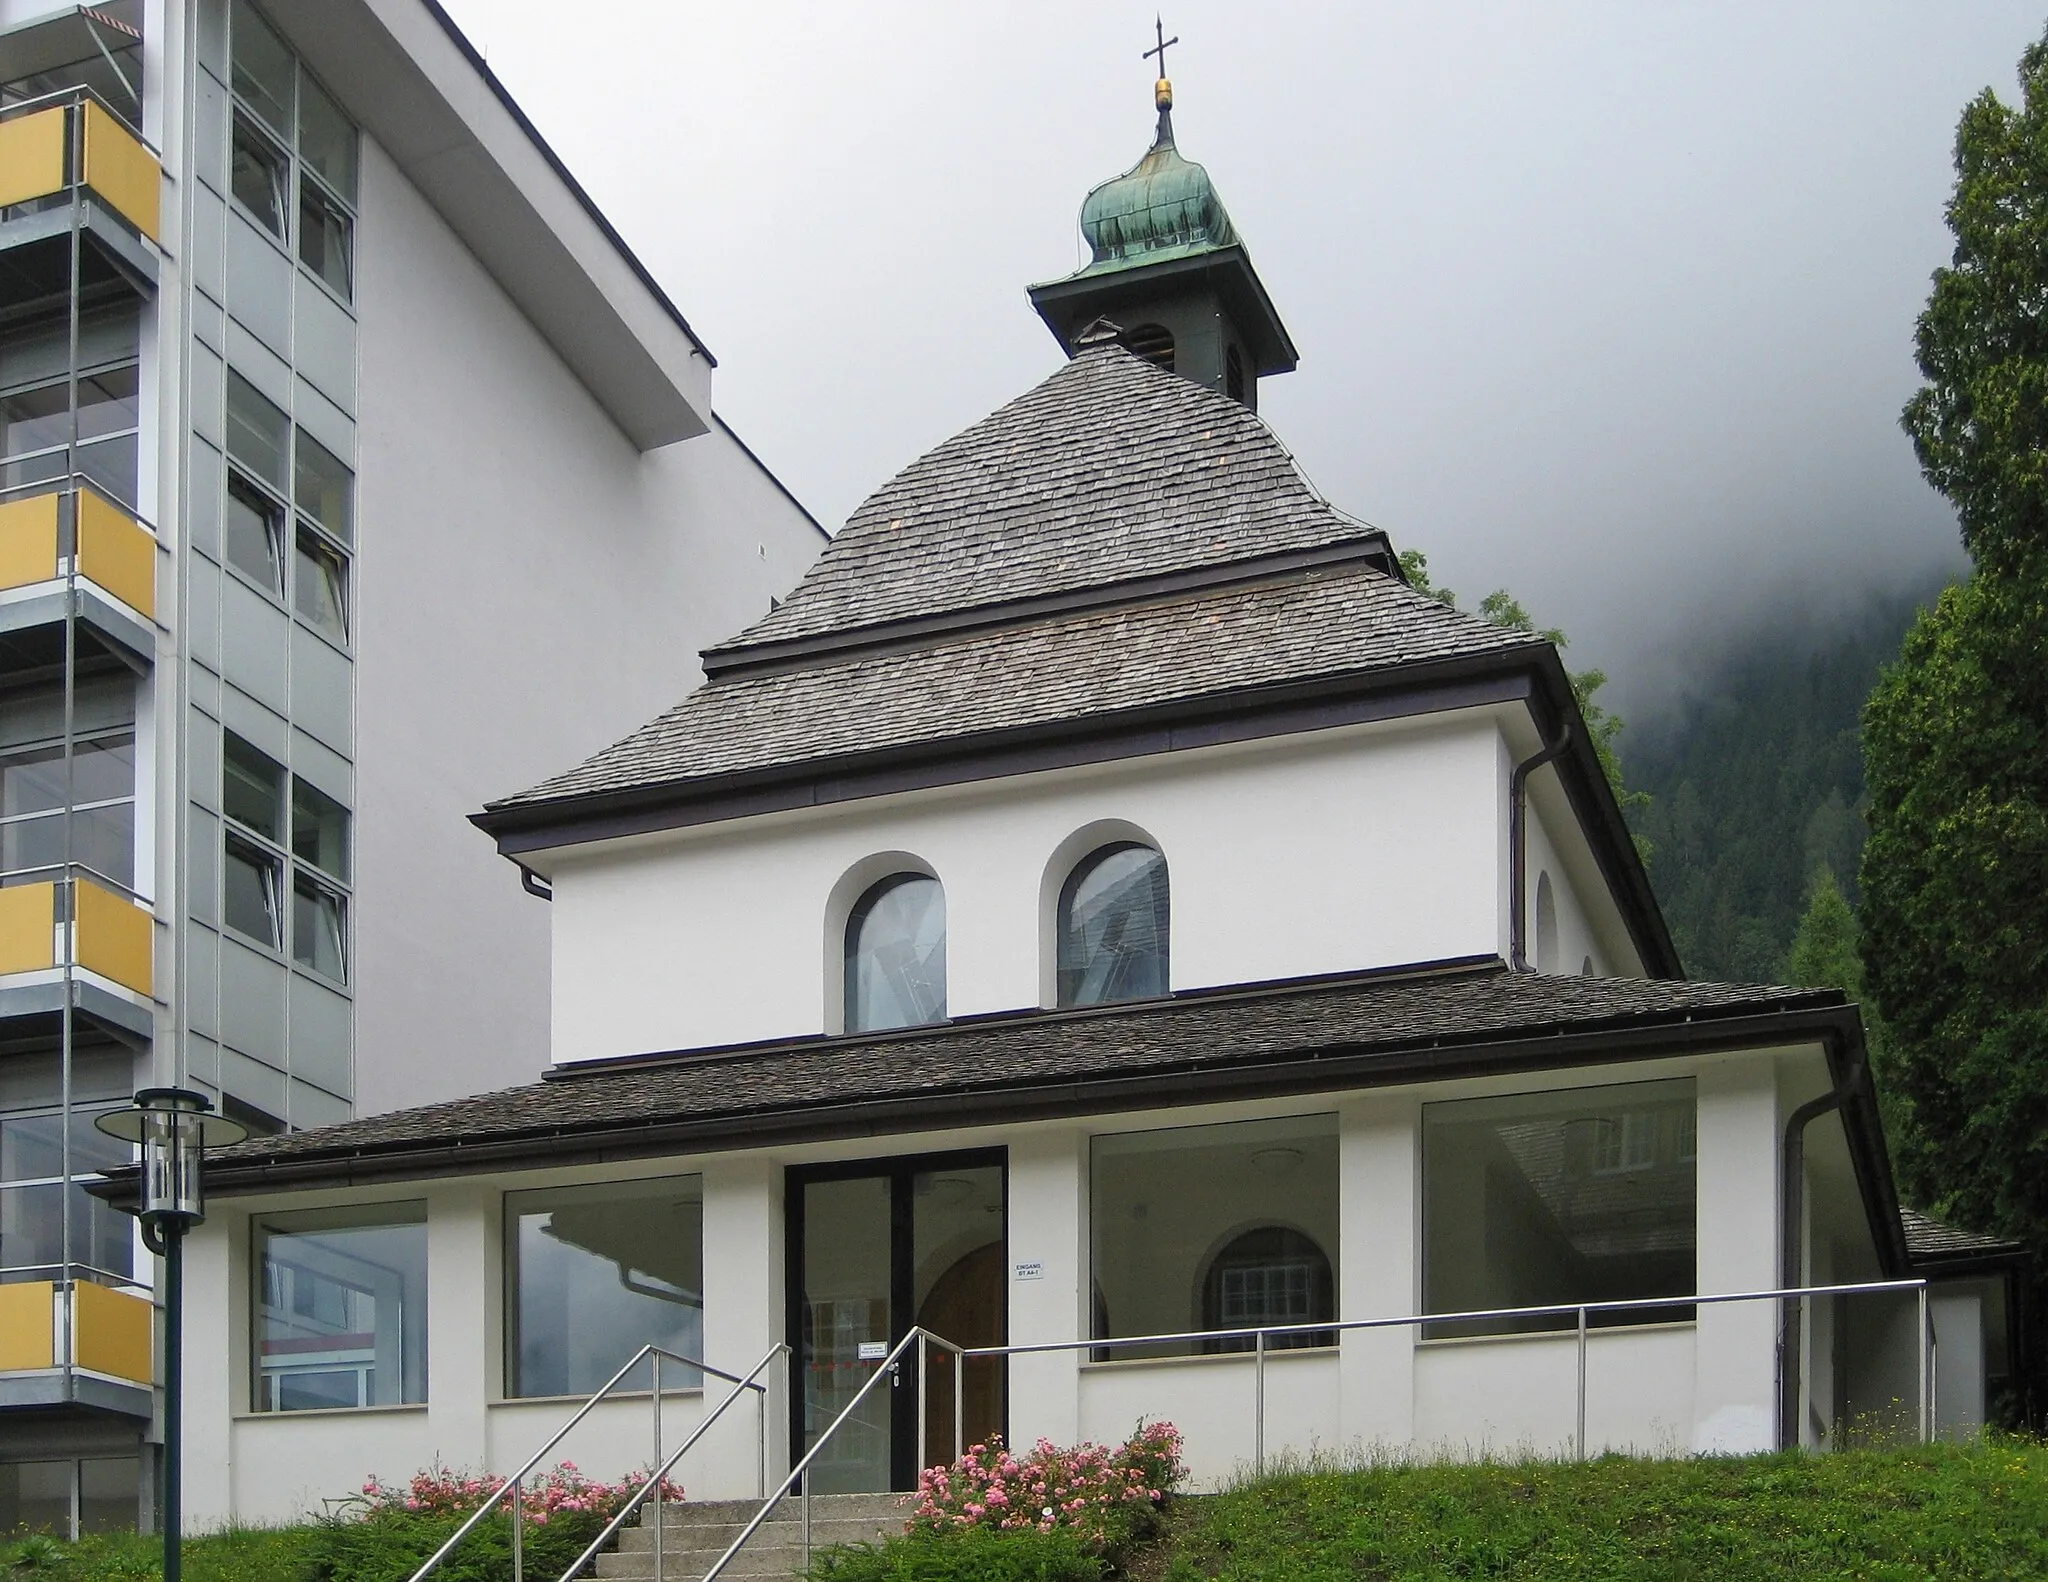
246	1555
1957	1514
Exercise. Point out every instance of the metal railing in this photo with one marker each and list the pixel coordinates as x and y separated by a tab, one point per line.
1580	1312
654	1356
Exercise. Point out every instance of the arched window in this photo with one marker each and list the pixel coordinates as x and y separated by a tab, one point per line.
896	955
1112	926
1154	343
1272	1275
1546	925
1233	373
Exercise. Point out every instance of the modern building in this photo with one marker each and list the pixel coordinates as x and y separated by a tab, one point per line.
351	470
1106	917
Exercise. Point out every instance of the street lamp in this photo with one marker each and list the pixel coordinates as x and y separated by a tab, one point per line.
175	1127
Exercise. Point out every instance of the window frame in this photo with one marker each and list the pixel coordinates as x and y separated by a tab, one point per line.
83	738
396	1214
73	1182
298	532
289	877
1063	930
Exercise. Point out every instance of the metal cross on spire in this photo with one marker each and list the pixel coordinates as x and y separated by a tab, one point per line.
1164	44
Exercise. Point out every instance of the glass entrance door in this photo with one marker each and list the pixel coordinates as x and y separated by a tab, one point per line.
876	1247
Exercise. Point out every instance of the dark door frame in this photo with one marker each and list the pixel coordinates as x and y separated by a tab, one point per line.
900	1170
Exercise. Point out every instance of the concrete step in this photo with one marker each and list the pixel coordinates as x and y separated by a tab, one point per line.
695	1533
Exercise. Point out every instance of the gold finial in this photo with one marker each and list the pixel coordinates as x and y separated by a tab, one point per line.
1162	90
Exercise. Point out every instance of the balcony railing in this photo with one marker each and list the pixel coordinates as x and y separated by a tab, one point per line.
68	527
77	922
52	146
47	1324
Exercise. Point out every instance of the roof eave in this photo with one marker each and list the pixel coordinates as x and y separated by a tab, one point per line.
1227	270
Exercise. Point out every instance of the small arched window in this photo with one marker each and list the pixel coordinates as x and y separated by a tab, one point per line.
1272	1275
1233	373
896	955
1546	925
1154	343
1112	926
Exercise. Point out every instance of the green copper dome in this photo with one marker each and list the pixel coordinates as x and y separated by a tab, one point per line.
1162	207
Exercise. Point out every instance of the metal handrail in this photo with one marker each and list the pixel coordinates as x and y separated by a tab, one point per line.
75	94
1581	1310
918	1336
512	1484
653	1484
73	483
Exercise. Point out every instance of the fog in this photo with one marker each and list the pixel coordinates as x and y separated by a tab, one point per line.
1608	303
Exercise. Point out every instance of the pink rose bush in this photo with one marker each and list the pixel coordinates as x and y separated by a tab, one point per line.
560	1491
1105	1497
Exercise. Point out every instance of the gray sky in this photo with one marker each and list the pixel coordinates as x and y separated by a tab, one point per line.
1610	303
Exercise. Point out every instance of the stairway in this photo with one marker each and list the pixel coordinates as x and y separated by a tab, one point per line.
694	1534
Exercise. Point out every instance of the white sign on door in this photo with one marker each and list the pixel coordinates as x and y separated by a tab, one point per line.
1031	1271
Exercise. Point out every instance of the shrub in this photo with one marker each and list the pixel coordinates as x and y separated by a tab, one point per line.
1109	1498
969	1554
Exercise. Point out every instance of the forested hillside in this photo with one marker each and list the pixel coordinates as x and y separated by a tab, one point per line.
1756	779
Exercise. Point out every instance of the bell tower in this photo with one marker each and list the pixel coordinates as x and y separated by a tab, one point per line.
1169	273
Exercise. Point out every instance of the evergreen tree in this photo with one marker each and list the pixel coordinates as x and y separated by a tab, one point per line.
1824	950
1955	872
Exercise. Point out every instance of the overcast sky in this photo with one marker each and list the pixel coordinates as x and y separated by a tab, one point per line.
1610	303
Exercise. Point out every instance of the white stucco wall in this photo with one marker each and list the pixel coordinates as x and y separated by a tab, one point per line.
1336	851
529	588
1707	1385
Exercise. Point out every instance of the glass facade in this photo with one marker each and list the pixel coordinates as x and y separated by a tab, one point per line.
1535	1200
284	861
594	1273
1232	1226
341	1308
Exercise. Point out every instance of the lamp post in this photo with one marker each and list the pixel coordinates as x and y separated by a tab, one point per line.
175	1127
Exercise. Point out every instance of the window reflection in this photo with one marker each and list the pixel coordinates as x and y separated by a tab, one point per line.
341	1308
1113	925
896	955
596	1273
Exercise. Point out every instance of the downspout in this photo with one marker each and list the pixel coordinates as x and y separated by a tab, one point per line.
1791	1240
1518	847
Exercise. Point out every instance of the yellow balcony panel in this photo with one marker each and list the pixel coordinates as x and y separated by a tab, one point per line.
113	937
117	552
124	172
32	156
28	527
28	928
27	1326
113	1332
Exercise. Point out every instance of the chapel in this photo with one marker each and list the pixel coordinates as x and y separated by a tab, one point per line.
1106	919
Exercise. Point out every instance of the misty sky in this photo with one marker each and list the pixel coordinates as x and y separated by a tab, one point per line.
1610	303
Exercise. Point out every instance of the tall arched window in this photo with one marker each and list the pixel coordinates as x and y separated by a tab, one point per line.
1273	1275
1112	926
896	955
1546	925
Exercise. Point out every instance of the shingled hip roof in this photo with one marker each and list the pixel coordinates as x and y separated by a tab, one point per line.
1114	540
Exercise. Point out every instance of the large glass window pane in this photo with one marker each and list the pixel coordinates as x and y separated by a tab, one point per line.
103	839
327	240
848	1325
1542	1199
252	787
259	175
111	463
36	418
28	843
322	486
319	917
32	780
1113	920
596	1273
320	585
109	1494
107	401
262	68
254	530
250	886
35	1496
319	829
259	434
1214	1227
341	1308
896	955
327	142
31	1227
102	1237
31	1147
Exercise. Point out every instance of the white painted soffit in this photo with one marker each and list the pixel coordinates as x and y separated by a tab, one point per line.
399	68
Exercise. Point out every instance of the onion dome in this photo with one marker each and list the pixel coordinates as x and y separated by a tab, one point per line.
1162	207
